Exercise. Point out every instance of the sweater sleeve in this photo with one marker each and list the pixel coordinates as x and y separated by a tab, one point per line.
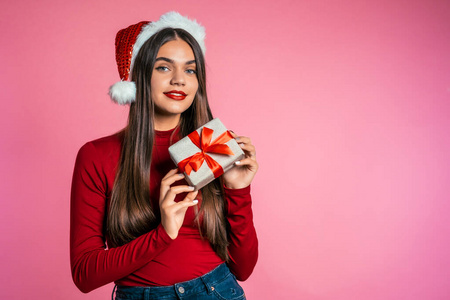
243	242
92	264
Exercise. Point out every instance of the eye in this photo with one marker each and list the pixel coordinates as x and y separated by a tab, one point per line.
191	71
162	68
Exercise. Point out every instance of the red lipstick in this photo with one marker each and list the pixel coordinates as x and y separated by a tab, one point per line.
175	95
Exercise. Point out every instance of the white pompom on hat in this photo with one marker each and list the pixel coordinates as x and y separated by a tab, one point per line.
130	40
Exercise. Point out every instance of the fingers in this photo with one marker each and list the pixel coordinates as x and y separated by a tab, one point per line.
171	177
170	173
189	200
170	208
241	139
246	144
172	213
249	162
171	192
249	150
175	190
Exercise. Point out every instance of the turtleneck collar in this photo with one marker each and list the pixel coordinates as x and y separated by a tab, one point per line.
167	137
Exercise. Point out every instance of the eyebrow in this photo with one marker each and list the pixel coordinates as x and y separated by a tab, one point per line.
189	62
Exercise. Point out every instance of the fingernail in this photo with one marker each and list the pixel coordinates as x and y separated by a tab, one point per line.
195	201
181	174
237	139
241	144
191	188
238	162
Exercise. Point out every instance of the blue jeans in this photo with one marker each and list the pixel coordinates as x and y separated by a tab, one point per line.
220	283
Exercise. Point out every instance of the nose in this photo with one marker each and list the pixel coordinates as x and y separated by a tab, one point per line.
178	78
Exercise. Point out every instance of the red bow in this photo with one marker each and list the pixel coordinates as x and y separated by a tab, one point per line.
204	143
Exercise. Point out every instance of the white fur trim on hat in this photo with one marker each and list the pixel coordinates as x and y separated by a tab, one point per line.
123	92
172	20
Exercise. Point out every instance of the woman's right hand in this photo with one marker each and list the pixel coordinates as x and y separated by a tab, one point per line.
172	213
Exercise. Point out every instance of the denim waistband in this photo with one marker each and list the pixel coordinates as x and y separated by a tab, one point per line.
178	290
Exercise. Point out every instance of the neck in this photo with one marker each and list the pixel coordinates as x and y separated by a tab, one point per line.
163	123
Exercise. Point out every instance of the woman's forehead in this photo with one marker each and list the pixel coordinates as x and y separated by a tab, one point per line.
177	51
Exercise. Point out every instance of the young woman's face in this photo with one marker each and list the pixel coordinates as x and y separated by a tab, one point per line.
174	79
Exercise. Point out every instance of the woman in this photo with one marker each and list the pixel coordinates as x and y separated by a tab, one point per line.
160	239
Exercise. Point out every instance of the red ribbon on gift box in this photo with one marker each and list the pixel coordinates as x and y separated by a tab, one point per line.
204	143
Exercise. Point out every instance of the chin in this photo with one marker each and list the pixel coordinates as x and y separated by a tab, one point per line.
173	107
179	108
174	110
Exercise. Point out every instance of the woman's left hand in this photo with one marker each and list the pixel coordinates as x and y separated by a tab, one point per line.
244	170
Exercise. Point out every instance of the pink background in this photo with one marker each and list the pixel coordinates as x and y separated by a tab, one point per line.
346	101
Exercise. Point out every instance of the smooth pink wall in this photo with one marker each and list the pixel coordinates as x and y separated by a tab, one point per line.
346	101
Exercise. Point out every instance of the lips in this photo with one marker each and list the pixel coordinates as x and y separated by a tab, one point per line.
176	95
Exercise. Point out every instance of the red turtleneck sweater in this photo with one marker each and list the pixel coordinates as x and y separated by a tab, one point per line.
153	259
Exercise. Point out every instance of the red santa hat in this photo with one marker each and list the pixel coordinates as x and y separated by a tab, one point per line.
130	40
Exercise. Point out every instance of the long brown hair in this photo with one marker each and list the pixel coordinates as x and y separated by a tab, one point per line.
130	211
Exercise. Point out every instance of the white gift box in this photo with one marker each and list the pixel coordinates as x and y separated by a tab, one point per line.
211	149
